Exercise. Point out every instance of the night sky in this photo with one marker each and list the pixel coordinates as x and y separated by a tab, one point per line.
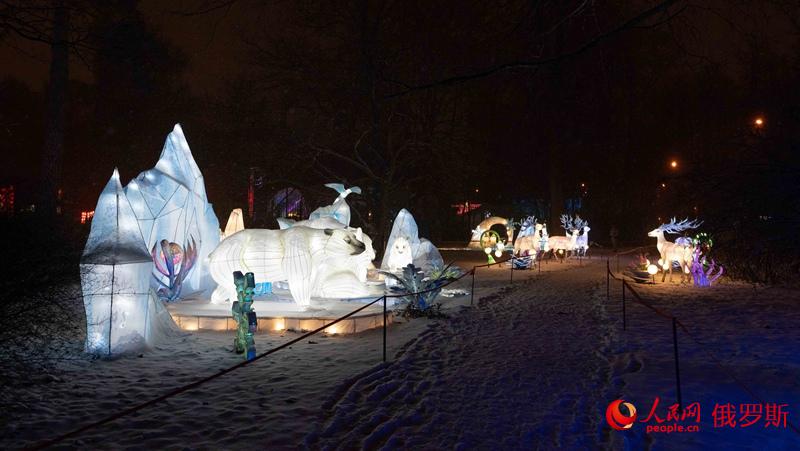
278	85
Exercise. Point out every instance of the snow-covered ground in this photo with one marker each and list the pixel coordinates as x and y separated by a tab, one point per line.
753	331
530	366
524	369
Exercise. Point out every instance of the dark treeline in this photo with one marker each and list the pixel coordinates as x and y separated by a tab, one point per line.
425	106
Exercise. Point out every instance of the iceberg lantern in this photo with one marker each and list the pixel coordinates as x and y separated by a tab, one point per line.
169	201
405	246
115	274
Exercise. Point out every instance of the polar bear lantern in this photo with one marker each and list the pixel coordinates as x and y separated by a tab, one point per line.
300	255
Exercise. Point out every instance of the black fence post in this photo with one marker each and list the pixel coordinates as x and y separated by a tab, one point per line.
472	292
511	282
624	320
677	366
384	328
608	280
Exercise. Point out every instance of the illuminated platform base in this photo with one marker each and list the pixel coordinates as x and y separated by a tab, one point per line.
276	313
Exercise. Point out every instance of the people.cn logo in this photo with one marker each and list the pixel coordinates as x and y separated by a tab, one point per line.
619	420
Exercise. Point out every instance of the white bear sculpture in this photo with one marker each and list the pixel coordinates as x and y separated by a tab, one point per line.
307	258
359	264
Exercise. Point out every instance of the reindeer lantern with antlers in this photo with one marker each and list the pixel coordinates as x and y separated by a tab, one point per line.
528	236
582	242
563	244
680	252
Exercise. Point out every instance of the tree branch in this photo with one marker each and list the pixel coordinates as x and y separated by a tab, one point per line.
532	64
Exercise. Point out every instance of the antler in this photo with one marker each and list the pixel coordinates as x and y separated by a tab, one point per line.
566	222
675	227
528	222
581	223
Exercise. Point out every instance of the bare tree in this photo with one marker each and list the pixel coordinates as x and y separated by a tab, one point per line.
60	25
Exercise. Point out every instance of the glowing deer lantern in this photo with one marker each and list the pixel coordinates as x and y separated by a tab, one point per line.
582	242
528	236
562	244
680	252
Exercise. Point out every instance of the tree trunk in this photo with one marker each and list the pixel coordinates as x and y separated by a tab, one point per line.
55	114
557	147
556	192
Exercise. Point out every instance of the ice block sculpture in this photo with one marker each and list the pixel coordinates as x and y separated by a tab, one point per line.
169	202
405	246
115	278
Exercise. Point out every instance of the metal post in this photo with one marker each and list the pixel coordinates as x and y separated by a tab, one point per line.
624	321
111	306
384	328
512	270
472	292
677	367
608	280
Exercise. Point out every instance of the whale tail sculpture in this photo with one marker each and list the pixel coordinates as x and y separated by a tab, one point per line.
338	210
342	191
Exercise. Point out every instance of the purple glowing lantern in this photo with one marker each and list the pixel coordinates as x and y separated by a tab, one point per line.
704	277
174	263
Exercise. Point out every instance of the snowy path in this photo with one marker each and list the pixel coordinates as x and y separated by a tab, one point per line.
523	369
752	332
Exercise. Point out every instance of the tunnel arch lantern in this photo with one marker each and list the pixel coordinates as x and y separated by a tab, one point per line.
486	225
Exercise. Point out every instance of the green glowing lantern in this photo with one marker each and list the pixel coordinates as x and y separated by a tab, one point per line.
244	315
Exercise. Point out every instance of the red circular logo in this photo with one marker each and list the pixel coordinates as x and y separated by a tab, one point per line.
619	420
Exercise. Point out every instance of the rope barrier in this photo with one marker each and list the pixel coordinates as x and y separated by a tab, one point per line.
630	251
655	309
187	387
699	344
194	384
